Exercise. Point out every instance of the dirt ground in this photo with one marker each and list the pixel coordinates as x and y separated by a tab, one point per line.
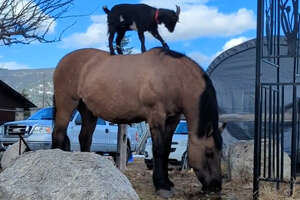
186	185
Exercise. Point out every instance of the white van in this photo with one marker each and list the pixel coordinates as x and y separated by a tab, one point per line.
178	155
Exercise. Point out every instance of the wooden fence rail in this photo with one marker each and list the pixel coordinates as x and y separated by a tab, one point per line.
249	117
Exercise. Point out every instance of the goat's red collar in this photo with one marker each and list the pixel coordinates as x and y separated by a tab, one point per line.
156	16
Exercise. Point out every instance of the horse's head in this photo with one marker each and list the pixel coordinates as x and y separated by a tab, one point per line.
204	155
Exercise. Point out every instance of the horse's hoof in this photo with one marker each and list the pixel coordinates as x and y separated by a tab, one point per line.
165	193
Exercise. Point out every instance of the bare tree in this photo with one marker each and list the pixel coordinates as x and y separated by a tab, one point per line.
25	21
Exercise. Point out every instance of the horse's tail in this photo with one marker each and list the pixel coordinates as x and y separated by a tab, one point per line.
209	116
106	10
54	112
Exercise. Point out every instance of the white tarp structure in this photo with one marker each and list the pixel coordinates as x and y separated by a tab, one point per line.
233	75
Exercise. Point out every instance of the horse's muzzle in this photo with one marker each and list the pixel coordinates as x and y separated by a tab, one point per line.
213	186
210	185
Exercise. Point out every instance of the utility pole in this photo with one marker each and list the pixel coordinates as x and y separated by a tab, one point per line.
44	90
121	158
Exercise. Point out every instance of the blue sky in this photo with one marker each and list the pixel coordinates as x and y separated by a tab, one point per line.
206	28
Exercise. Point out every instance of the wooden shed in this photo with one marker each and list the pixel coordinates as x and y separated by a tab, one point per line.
10	101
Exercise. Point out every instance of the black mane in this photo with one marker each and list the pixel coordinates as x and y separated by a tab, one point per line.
169	52
172	53
209	112
175	54
208	102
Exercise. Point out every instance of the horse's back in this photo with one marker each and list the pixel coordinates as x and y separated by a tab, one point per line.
77	60
137	83
70	69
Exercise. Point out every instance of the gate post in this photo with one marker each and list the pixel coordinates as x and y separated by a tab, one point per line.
259	49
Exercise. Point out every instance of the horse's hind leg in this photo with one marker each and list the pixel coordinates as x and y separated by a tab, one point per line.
87	129
63	113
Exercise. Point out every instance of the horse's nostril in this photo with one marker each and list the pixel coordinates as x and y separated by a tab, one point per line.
218	189
214	186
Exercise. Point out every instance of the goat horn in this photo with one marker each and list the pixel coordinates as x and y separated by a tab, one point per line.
177	10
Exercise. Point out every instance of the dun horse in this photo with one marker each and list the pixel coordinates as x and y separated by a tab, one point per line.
157	86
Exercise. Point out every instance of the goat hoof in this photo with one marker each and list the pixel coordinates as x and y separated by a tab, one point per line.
165	193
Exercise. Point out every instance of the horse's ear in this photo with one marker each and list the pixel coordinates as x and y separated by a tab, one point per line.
209	129
222	127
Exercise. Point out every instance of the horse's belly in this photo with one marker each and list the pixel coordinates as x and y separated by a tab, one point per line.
116	109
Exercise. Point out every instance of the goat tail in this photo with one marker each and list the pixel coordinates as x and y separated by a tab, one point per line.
105	9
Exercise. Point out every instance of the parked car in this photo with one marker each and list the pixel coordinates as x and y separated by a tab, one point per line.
178	155
37	130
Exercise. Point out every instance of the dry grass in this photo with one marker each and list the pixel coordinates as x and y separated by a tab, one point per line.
189	188
187	185
268	191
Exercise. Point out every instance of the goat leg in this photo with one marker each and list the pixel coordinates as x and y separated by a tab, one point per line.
142	39
157	36
165	45
119	40
110	41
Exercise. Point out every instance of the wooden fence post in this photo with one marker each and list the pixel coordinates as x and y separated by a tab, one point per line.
121	157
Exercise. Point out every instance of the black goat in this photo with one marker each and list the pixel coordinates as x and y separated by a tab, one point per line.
139	17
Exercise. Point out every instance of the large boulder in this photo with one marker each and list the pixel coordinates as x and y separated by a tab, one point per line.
12	154
240	160
60	175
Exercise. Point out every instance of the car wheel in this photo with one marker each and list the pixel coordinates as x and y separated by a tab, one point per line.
184	161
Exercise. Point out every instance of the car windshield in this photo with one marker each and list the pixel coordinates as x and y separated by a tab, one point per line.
181	128
43	114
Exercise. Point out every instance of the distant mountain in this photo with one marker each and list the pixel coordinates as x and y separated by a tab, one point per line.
35	84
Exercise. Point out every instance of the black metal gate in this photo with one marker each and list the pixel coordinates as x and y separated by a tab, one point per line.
277	107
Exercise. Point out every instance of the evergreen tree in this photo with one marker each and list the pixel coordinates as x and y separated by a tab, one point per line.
25	93
124	46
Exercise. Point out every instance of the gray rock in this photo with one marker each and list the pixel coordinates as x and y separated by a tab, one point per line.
1	155
241	160
11	155
59	175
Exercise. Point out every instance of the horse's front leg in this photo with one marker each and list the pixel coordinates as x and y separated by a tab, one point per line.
160	153
171	124
160	173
